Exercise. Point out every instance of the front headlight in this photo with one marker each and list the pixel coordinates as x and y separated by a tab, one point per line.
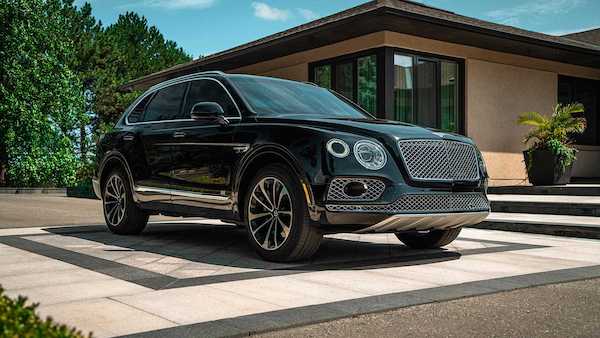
370	154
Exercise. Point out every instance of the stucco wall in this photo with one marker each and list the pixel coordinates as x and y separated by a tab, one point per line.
499	86
496	95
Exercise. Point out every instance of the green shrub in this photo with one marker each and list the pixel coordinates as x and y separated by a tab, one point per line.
19	320
554	132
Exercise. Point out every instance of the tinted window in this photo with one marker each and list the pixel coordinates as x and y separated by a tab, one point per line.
166	104
136	113
275	97
208	91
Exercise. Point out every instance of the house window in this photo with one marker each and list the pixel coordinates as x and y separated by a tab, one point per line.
344	79
367	83
403	88
426	91
586	92
354	77
323	76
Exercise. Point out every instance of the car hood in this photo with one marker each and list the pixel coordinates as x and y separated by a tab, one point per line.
383	130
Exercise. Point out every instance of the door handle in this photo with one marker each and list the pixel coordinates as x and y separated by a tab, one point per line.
178	134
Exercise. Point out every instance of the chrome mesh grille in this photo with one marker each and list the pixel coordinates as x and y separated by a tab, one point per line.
336	192
422	203
439	160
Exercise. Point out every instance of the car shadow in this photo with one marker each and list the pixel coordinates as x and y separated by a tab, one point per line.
227	246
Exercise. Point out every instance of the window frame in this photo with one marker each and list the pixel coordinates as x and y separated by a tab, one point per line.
379	54
155	89
385	78
438	59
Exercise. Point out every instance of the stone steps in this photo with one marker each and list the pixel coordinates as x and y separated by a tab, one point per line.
568	190
557	225
546	204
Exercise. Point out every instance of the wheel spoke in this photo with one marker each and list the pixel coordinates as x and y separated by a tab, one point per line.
261	185
286	229
275	223
282	194
266	242
261	226
261	202
252	216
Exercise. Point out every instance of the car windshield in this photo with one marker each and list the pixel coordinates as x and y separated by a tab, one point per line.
283	98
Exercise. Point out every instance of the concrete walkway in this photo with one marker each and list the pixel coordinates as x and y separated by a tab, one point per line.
201	278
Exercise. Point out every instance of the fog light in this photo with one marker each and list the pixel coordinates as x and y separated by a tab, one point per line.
355	189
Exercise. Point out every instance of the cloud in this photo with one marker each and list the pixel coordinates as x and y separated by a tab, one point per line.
513	15
307	14
266	12
174	4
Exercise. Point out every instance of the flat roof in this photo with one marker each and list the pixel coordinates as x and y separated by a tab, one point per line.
401	16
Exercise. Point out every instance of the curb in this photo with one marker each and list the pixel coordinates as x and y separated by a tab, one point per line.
543	229
44	191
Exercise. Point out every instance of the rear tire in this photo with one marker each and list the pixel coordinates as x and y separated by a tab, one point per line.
430	240
277	218
121	214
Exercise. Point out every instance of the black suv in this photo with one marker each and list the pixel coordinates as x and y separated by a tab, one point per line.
290	161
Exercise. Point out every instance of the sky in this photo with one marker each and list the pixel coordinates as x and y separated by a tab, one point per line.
204	27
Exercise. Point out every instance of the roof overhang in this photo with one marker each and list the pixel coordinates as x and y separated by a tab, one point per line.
375	20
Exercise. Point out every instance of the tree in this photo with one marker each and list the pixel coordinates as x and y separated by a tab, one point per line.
41	100
129	49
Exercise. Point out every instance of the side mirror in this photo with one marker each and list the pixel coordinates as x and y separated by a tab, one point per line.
210	111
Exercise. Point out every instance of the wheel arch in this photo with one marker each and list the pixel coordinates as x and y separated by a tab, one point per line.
113	160
269	154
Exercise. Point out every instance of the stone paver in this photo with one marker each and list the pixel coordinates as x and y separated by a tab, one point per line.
201	278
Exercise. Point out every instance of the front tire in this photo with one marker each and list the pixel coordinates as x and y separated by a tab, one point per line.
121	214
277	217
429	240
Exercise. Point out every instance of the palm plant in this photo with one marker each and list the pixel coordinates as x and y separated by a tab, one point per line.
554	132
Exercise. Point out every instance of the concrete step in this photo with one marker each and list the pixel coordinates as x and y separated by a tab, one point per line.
557	225
546	204
569	189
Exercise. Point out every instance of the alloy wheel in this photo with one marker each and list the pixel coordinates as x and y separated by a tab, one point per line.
270	213
114	200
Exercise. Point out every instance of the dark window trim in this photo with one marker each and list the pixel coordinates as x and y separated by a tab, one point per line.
385	78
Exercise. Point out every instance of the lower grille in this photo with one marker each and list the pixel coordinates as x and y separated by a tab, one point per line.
422	203
337	187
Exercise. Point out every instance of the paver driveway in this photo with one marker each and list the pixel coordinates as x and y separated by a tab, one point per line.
200	278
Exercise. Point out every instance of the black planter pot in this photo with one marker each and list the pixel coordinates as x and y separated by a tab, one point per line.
544	168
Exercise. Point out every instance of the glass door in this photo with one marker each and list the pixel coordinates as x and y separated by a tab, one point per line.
427	93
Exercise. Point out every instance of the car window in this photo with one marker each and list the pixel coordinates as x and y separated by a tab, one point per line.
277	97
166	103
208	91
136	113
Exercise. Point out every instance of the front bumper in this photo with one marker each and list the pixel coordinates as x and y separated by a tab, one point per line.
410	222
412	211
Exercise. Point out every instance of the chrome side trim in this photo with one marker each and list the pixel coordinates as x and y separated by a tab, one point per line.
174	82
234	145
213	198
407	222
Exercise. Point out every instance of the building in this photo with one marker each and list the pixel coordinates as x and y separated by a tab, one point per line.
407	61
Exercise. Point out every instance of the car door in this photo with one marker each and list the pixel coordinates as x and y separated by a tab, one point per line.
203	152
155	133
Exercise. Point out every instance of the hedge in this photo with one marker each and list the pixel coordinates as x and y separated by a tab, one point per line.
19	320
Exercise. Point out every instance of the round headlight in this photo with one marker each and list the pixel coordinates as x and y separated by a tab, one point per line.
370	154
338	148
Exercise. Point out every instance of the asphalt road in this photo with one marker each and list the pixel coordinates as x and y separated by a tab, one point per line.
559	310
37	210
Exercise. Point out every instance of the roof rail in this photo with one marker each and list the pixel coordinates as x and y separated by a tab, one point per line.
186	77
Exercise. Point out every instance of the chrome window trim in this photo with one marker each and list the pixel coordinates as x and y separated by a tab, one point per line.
177	81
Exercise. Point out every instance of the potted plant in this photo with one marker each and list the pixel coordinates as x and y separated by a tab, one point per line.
550	157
